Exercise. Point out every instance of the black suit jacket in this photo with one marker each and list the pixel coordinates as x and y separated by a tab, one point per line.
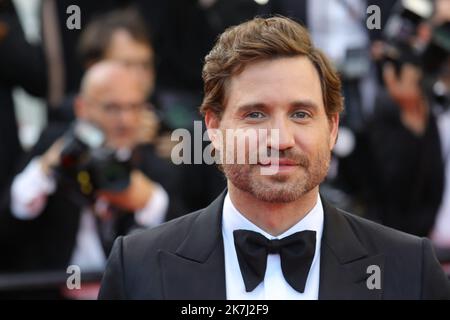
184	259
404	173
22	65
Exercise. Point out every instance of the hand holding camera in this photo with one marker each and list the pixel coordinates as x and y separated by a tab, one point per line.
81	160
51	158
134	197
416	49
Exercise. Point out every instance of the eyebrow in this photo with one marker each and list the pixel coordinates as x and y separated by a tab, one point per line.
304	103
252	107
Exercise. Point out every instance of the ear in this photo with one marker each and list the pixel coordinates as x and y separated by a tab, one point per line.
334	128
213	125
80	108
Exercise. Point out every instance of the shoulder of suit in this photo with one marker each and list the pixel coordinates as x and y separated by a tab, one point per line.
167	236
170	235
379	236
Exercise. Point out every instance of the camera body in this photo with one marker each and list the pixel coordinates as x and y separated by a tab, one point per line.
88	165
401	35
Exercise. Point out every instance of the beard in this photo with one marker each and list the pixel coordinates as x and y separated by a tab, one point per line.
281	188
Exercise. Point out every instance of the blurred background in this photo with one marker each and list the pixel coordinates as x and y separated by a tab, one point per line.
85	156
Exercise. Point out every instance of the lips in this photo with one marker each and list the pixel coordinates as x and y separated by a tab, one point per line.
280	162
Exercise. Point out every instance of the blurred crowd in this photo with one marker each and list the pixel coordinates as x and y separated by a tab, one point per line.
116	88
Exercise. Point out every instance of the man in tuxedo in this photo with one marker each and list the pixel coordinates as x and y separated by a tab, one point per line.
270	235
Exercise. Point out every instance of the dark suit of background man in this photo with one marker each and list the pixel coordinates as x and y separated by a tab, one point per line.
271	236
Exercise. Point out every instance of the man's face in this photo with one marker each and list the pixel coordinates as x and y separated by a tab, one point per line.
283	94
137	56
116	107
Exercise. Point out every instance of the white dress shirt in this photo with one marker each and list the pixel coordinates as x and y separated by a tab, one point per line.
30	190
336	26
334	29
274	285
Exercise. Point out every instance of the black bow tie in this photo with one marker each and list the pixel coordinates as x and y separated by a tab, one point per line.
296	253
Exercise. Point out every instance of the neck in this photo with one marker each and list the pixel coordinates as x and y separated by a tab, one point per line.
272	217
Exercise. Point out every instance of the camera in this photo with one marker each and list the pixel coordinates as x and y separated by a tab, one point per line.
88	165
404	43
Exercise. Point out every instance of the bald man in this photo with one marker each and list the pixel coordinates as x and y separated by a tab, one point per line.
60	230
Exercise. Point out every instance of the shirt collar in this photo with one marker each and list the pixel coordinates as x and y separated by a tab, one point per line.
233	220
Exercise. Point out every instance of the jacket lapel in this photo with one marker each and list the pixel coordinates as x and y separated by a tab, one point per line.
196	270
344	261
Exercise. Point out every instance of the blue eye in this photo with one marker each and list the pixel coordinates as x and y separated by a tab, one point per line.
300	115
255	115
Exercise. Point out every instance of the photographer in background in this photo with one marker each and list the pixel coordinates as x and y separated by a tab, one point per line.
64	223
409	133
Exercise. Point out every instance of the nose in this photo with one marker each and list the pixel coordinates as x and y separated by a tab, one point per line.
281	136
128	116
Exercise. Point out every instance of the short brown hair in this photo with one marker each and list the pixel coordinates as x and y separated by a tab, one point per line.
96	38
261	39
